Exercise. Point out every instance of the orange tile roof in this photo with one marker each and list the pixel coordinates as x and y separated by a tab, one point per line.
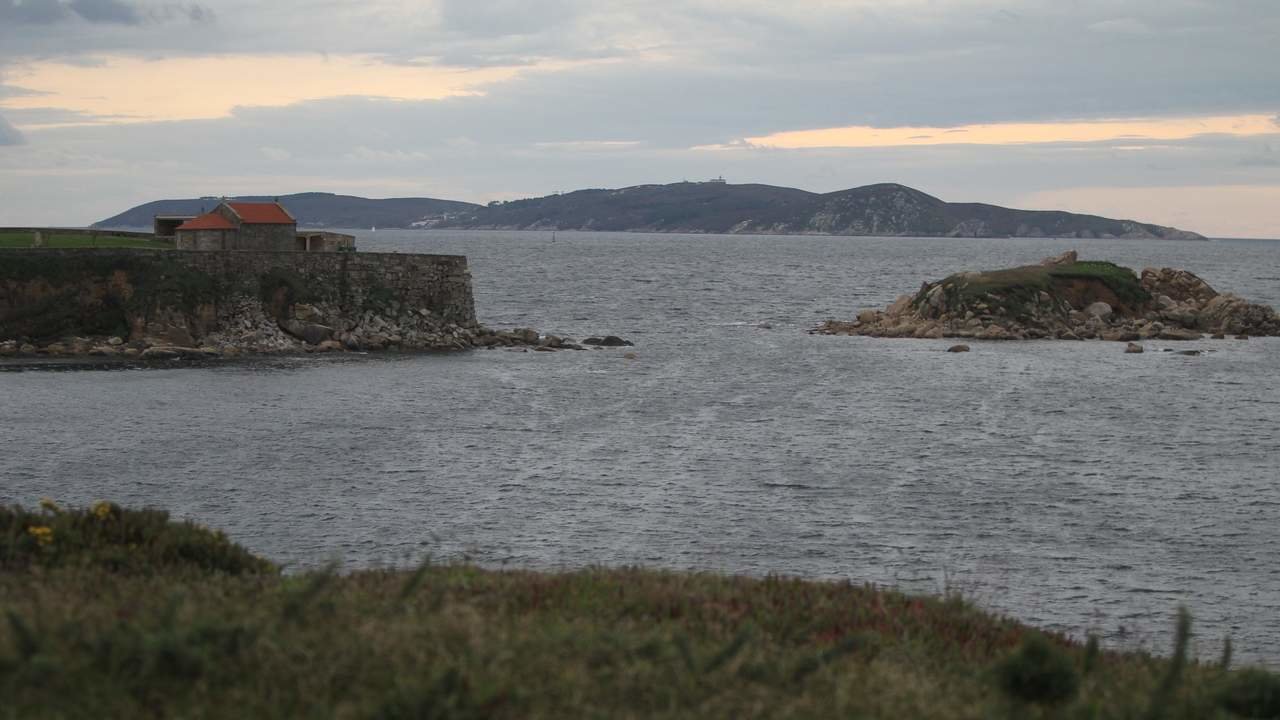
207	221
260	213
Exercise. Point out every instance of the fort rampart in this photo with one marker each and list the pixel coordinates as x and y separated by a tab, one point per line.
130	294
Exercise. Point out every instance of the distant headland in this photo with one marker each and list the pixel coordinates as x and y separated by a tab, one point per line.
885	209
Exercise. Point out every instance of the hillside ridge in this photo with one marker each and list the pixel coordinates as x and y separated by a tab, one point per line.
312	209
882	209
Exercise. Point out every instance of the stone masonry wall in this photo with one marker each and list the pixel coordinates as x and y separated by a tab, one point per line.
202	239
92	291
282	238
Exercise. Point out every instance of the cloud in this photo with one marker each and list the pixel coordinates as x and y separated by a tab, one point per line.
1122	26
362	155
15	91
194	87
9	135
31	12
275	154
541	93
106	11
36	118
1025	133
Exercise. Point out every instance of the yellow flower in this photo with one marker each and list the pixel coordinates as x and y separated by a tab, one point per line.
49	505
102	509
42	533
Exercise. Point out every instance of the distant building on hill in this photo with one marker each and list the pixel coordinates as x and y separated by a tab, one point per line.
235	225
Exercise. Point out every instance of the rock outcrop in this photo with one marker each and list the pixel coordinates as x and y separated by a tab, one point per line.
1065	298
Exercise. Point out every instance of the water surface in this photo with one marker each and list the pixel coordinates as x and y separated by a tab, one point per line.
1069	484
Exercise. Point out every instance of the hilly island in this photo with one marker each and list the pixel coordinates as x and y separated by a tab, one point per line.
885	209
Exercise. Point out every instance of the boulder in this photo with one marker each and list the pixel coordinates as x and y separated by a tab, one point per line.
1134	349
308	332
313	334
937	298
607	341
1178	285
1120	335
899	306
1067	258
866	317
1179	334
161	353
307	314
1099	310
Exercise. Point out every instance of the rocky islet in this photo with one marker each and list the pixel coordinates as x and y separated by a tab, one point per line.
1065	298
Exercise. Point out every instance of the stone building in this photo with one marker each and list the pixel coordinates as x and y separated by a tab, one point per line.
240	226
236	225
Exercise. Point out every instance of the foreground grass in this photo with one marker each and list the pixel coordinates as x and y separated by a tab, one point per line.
216	633
79	240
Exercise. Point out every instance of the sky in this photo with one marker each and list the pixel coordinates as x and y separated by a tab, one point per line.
1164	111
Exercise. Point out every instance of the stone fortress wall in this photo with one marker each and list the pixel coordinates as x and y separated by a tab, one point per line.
42	289
439	283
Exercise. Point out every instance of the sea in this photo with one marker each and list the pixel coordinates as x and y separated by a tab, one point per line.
1066	484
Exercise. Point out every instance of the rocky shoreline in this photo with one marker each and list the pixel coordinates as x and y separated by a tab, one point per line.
1064	298
161	305
249	328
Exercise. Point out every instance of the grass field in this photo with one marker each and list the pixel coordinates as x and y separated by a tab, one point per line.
9	239
106	612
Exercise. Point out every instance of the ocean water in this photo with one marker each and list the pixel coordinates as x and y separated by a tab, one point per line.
1067	484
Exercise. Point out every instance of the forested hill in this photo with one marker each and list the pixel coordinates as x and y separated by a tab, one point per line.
312	209
713	207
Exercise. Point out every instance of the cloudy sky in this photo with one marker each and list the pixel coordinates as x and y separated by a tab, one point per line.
1166	111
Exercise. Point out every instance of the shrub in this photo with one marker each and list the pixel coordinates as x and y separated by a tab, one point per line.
106	535
1251	693
1038	672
